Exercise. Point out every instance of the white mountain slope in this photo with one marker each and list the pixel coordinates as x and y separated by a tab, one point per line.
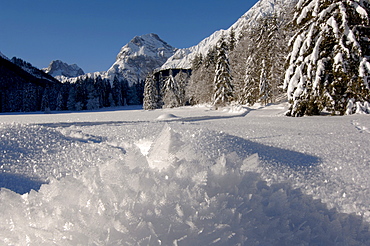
183	57
139	57
61	69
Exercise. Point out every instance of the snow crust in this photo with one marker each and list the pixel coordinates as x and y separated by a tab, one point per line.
207	177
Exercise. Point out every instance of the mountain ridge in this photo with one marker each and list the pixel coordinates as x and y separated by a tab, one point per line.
139	57
60	69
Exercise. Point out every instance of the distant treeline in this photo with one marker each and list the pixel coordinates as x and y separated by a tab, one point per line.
24	88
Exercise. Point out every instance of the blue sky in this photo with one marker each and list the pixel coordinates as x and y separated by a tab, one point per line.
91	33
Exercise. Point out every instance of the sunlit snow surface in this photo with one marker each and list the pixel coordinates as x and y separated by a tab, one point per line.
189	176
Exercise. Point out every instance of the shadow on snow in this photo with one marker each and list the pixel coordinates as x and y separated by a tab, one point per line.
19	183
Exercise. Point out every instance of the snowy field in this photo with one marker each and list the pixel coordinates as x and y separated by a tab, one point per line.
187	176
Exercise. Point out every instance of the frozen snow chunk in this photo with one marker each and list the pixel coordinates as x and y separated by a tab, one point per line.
144	146
167	117
251	163
162	153
220	167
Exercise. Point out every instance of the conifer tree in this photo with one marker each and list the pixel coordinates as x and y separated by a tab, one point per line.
223	89
171	92
132	95
45	101
264	87
250	90
71	102
150	93
328	64
59	102
117	92
200	87
181	80
232	40
29	98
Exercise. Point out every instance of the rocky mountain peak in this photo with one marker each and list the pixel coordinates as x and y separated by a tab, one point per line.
59	68
139	57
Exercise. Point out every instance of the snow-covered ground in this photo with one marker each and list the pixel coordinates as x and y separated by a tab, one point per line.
187	176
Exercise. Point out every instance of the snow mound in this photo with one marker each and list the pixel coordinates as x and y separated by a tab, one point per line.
167	117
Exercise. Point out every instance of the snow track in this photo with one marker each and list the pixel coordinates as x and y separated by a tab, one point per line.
360	128
203	177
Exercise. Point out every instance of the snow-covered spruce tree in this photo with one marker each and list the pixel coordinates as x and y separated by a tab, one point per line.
223	88
328	66
200	87
171	92
231	40
195	90
182	79
249	94
150	93
264	86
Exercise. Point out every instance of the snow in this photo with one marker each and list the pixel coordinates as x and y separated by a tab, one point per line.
167	117
364	69
361	11
238	176
302	15
316	50
333	23
296	48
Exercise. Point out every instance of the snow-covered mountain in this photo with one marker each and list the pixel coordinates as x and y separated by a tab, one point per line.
139	57
135	60
183	57
61	69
